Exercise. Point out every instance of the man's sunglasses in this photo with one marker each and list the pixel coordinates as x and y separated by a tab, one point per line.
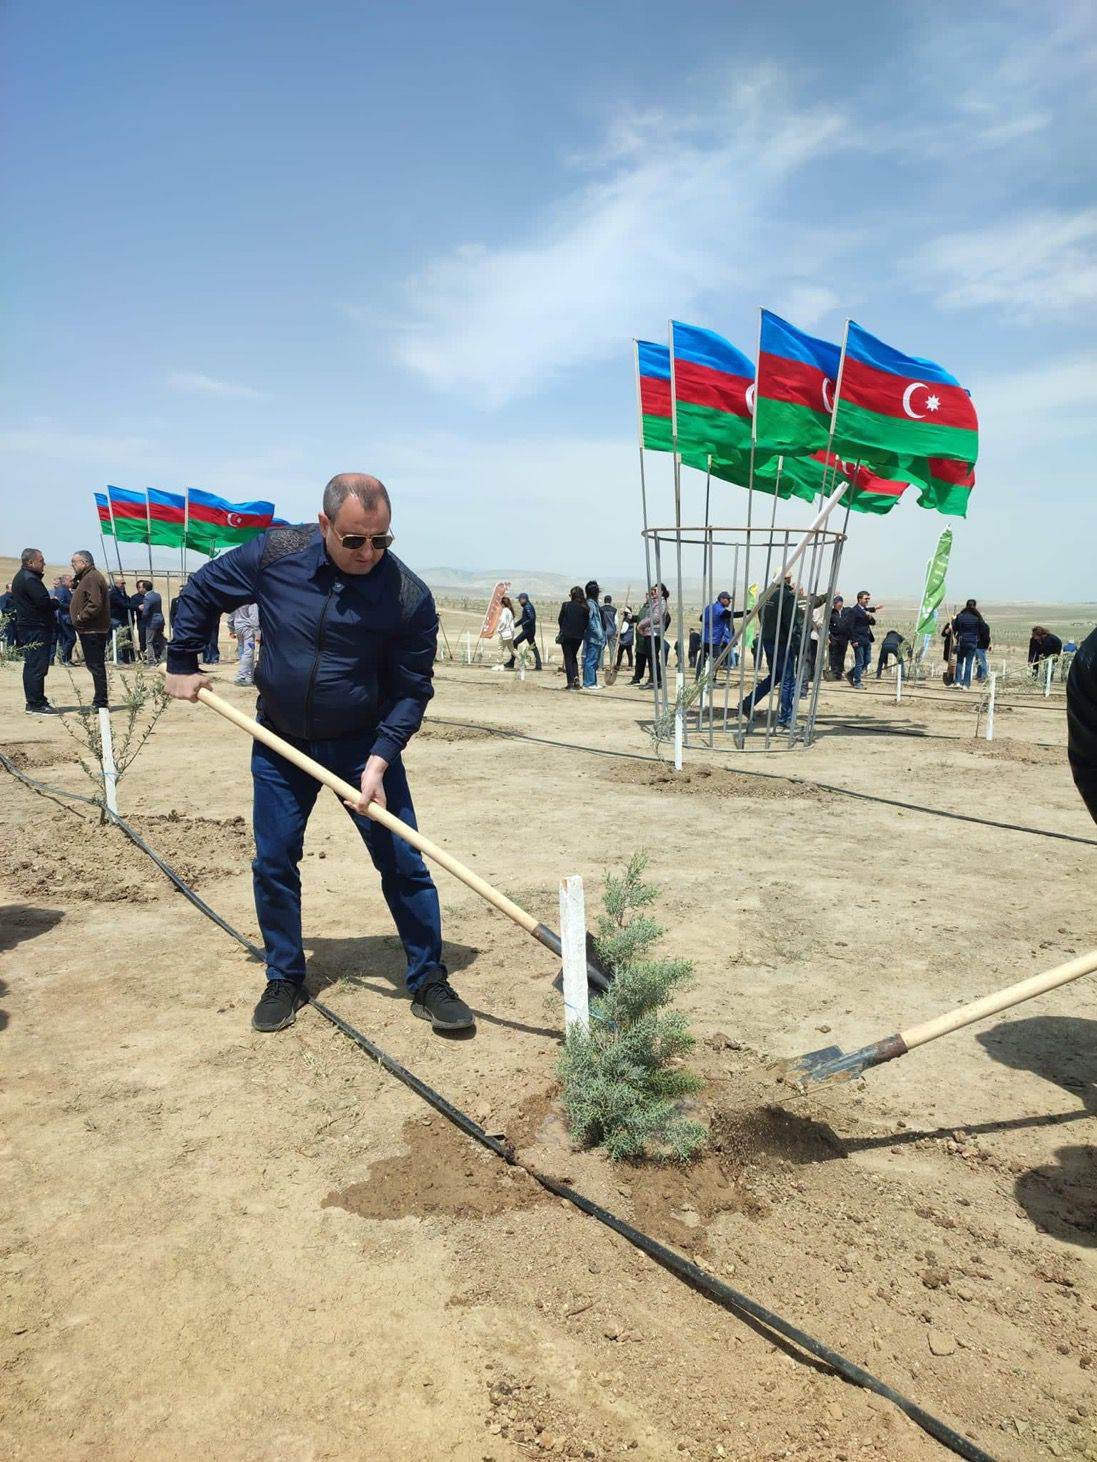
376	541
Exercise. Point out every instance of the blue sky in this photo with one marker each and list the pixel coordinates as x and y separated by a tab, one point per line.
250	245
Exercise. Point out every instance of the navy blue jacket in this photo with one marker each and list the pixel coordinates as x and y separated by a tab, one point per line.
859	624
527	620
152	609
1082	721
966	627
343	654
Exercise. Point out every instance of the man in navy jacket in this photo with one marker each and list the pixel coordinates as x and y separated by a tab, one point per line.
348	654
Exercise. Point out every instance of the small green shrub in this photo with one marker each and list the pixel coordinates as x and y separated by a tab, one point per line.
622	1091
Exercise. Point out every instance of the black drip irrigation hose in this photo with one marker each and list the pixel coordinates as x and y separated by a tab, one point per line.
1012	827
766	1322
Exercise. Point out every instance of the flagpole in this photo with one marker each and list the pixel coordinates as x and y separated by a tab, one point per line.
750	506
102	540
148	530
114	532
679	679
183	544
656	644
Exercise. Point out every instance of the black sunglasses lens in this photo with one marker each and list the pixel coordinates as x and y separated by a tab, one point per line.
354	540
382	540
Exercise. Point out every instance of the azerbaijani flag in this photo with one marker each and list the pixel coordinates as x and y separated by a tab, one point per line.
215	523
167	517
712	389
795	397
102	507
901	404
946	486
653	374
868	492
131	515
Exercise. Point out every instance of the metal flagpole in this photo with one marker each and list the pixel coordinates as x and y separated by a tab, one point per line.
148	530
679	679
654	645
753	402
183	544
114	531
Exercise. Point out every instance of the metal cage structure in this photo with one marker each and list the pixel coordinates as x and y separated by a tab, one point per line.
748	674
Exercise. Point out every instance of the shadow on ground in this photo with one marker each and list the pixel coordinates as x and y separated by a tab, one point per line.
1059	1196
375	963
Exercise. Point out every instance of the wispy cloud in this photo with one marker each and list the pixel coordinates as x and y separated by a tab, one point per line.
59	444
1042	261
202	385
669	216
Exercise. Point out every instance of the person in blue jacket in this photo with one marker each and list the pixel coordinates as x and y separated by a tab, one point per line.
859	621
66	635
526	631
595	638
715	629
966	626
349	636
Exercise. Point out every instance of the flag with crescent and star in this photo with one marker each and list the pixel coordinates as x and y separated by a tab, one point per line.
167	517
214	523
653	387
868	491
900	404
795	397
712	395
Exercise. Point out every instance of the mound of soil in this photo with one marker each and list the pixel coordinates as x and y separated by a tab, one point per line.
59	855
712	782
440	731
1025	752
441	1172
27	755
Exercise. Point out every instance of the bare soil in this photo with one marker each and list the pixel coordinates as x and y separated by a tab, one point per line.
222	1245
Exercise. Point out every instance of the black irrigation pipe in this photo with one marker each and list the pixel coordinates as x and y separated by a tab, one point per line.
1013	827
765	1321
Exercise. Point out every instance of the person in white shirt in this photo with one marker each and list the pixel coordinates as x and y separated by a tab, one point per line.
505	631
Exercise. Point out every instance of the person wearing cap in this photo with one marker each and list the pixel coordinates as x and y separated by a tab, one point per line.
526	631
595	638
715	629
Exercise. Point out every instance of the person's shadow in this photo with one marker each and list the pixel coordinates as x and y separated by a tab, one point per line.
19	922
376	963
1059	1196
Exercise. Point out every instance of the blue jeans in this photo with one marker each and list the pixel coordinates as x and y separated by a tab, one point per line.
862	657
284	797
781	664
981	672
965	659
592	653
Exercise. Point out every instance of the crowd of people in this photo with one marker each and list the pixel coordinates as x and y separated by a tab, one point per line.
596	638
82	608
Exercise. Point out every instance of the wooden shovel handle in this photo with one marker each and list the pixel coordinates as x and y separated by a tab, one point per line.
345	791
942	1025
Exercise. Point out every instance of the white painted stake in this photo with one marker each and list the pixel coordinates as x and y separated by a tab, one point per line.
898	681
110	775
573	947
990	705
522	666
468	647
679	719
114	645
1047	677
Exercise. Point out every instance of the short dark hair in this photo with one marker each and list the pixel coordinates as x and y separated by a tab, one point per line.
368	490
27	554
861	593
576	593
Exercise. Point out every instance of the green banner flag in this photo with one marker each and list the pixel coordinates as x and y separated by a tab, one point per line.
935	585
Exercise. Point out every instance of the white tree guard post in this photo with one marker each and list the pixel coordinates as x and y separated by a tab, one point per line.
679	720
1047	677
573	948
468	647
898	681
114	645
110	774
991	693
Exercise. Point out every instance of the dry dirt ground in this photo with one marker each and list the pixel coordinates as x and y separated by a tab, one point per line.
223	1245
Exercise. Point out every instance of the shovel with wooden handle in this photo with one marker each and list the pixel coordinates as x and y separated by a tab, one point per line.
834	1064
599	975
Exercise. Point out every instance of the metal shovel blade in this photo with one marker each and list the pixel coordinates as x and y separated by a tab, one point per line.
833	1064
